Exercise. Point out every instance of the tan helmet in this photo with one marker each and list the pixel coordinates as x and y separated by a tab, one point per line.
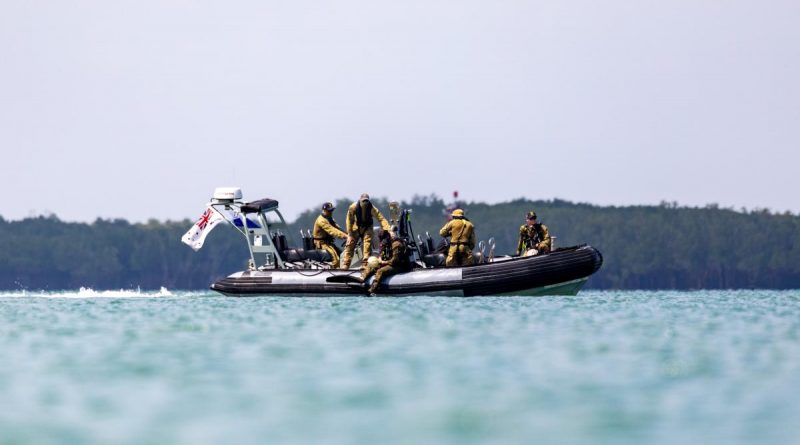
457	212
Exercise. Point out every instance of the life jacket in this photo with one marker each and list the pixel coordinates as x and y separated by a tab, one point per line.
364	215
533	235
386	249
403	260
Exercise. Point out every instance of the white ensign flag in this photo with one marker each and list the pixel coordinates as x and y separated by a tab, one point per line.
196	236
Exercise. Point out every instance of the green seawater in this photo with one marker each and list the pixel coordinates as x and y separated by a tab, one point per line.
132	367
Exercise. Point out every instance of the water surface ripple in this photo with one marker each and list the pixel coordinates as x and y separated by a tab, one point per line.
604	367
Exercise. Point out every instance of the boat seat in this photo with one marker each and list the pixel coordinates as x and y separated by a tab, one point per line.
438	259
296	255
318	255
434	259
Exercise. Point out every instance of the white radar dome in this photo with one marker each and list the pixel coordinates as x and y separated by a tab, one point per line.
227	194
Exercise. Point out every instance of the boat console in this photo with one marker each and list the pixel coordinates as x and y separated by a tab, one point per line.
265	230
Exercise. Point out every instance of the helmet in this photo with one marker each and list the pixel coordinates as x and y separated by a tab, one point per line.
373	261
457	212
531	215
328	206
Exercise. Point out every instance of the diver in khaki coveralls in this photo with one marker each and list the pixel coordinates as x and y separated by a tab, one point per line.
394	260
358	225
325	230
533	235
462	239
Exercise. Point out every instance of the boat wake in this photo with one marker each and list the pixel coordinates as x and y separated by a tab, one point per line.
87	292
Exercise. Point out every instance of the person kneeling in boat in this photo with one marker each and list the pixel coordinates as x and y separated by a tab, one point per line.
462	239
358	224
394	260
325	231
534	238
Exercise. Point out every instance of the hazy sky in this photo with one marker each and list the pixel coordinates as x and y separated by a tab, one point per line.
138	109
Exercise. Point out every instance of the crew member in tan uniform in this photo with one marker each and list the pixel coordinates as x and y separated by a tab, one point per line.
394	259
325	231
358	225
462	239
533	235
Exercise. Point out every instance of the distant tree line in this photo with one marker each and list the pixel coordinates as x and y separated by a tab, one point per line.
644	247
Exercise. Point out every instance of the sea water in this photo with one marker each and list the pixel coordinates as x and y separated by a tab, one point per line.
132	367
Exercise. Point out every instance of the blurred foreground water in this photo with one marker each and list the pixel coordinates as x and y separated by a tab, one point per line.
134	367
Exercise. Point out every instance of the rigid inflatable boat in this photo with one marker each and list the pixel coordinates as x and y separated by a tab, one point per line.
277	269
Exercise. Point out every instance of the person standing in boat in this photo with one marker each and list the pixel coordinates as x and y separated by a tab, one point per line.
394	259
533	237
326	231
358	224
462	239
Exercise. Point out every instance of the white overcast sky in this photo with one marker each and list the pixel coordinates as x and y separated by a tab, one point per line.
138	109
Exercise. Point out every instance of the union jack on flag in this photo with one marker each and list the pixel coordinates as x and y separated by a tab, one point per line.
203	222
